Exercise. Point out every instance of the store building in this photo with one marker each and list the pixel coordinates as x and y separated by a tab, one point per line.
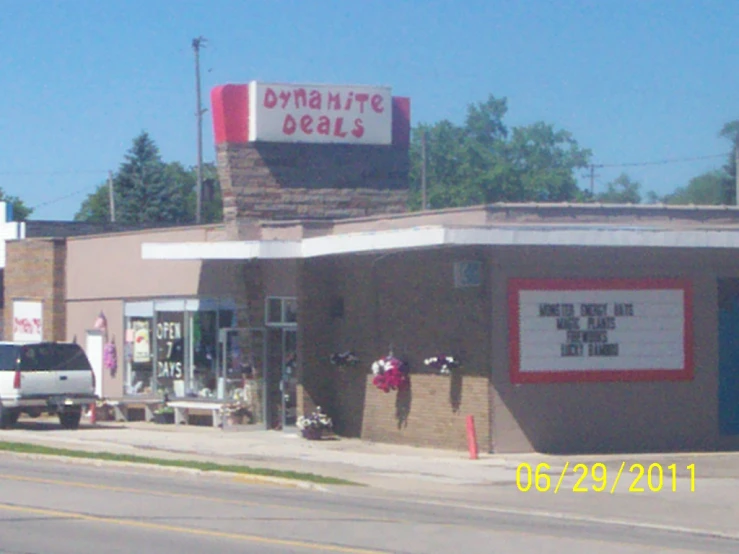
580	328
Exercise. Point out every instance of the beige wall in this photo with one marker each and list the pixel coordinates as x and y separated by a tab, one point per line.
81	316
111	266
104	271
597	417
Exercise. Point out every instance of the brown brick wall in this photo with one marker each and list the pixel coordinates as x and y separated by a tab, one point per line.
407	301
317	387
294	181
35	270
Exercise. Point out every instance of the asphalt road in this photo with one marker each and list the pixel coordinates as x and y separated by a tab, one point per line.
48	507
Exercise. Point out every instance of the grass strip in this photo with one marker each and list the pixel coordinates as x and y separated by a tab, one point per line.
28	448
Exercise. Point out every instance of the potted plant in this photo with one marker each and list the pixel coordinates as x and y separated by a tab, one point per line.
165	414
313	426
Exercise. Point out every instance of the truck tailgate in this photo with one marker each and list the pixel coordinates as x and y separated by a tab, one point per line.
74	382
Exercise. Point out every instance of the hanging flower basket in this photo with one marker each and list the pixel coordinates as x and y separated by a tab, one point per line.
390	373
343	359
442	363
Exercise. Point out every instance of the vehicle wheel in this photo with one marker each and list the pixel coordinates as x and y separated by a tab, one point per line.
70	419
8	418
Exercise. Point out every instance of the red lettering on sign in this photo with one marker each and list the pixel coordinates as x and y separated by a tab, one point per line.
334	101
324	125
377	103
289	126
361	99
338	132
314	101
285	97
27	326
301	98
358	130
305	124
270	98
348	103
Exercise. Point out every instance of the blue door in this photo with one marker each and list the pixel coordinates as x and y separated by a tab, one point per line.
728	362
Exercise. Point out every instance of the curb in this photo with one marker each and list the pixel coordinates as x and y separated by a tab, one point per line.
246	478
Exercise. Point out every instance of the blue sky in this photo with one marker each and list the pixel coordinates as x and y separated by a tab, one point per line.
634	81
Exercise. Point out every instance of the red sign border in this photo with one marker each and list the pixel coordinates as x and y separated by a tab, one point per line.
515	286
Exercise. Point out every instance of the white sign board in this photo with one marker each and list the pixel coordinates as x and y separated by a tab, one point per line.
599	332
27	321
320	113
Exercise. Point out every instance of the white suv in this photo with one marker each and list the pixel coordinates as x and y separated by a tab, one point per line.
51	377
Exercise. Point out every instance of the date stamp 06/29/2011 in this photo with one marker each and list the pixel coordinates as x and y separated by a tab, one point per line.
639	478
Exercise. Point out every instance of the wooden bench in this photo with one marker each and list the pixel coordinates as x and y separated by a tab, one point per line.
121	406
184	408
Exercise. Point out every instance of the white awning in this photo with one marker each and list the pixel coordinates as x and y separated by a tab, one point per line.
433	236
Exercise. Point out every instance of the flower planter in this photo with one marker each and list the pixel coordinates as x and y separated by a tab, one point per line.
312	434
164	418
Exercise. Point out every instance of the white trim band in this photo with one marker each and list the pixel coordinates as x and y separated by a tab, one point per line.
429	237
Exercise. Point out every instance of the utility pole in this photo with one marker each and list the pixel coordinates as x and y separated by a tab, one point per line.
199	111
592	180
424	202
111	196
736	171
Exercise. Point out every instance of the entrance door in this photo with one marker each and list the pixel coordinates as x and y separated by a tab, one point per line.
728	365
94	350
242	372
282	387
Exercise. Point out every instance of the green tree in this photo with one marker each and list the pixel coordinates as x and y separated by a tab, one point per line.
622	190
148	190
704	190
730	131
20	210
483	161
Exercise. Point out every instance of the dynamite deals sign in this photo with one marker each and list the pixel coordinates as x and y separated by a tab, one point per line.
320	113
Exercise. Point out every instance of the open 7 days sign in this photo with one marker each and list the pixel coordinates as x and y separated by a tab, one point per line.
600	330
320	113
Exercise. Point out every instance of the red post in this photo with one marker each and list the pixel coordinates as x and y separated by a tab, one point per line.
471	437
93	414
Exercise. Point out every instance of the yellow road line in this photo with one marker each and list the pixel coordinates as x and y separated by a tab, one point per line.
191	531
112	488
215	500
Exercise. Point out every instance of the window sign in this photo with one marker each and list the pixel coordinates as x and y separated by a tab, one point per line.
170	348
574	330
27	321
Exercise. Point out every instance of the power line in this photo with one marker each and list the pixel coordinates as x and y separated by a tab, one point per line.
663	162
63	172
55	200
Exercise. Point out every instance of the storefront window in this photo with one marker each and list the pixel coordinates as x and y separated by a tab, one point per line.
139	354
172	346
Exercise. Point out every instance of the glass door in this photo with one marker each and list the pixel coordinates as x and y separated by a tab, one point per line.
289	378
242	370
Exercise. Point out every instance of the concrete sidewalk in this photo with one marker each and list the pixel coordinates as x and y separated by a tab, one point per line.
429	475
